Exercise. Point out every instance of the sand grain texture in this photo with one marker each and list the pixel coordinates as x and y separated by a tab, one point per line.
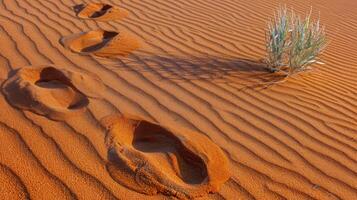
197	69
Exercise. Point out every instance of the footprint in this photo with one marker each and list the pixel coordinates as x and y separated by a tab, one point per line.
101	43
100	12
52	92
151	159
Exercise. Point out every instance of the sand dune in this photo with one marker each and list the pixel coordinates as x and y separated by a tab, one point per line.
197	69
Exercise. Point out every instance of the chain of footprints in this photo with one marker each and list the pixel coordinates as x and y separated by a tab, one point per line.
142	155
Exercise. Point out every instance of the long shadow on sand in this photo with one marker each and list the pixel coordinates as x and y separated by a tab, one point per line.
243	72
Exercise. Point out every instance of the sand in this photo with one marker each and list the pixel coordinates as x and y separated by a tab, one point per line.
101	43
52	92
151	159
189	94
100	12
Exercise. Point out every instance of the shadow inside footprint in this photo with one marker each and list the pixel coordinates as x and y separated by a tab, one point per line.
155	140
151	159
100	11
51	74
106	37
101	43
78	8
55	81
48	91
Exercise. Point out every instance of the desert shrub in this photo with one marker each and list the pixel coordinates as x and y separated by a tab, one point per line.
308	40
277	39
294	42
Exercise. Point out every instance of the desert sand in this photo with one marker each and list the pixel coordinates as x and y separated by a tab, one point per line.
167	99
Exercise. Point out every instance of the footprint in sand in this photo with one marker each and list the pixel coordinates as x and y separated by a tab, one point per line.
56	93
151	159
100	12
101	43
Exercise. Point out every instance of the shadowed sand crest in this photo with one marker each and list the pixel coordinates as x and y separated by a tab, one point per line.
151	159
101	43
100	11
56	93
11	185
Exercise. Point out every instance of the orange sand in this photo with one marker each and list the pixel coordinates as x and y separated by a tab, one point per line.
151	159
196	75
100	11
101	43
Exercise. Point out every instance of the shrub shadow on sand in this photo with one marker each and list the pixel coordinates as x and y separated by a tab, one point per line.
243	72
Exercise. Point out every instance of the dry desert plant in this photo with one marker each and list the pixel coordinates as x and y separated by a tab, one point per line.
308	40
293	42
277	40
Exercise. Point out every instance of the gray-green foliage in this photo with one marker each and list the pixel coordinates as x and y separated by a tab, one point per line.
294	42
277	39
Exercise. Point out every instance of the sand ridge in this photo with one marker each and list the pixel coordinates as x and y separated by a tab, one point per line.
295	140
